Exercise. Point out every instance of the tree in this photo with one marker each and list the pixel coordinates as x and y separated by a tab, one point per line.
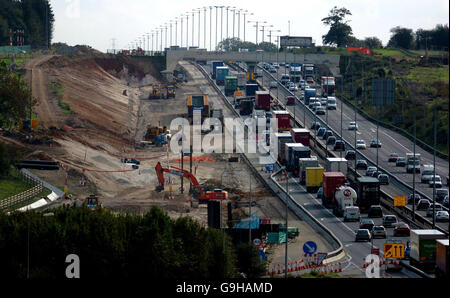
440	37
267	47
234	44
401	37
340	32
373	43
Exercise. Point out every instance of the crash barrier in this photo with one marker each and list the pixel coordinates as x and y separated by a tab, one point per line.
293	205
305	266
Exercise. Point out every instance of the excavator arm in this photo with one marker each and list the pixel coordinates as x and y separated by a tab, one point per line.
174	171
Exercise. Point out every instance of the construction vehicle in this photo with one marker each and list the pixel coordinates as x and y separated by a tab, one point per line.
93	203
171	91
154	133
198	102
156	92
197	190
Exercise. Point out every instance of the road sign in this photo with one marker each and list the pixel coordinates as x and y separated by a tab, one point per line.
399	201
270	167
375	251
320	257
310	247
394	250
256	242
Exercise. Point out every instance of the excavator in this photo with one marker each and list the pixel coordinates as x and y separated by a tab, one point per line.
93	203
197	189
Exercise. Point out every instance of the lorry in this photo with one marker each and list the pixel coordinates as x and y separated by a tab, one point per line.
345	196
308	70
423	248
246	106
328	86
303	163
215	64
250	90
313	178
294	151
337	164
262	100
442	265
368	190
231	85
301	135
221	74
427	173
331	182
412	163
241	79
283	120
295	72
309	92
282	138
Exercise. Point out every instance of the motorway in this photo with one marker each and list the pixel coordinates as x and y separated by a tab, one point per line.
391	142
345	232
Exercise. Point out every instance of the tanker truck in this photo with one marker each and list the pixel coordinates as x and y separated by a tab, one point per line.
345	196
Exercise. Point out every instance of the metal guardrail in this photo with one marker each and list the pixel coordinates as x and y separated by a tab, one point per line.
317	223
384	194
24	196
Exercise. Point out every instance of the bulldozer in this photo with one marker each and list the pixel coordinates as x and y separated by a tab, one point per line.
93	203
154	134
171	91
156	92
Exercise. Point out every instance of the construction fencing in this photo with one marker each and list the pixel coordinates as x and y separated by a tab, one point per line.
24	196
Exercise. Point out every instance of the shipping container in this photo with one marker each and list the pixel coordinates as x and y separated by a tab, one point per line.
215	64
250	89
304	163
423	248
442	252
337	165
295	151
221	74
231	85
283	119
262	100
301	135
242	79
246	107
313	178
309	92
368	189
282	139
331	181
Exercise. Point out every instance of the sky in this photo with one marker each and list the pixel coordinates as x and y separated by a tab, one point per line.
97	22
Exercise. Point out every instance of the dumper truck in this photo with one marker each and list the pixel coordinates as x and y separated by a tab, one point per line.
345	196
423	248
301	135
230	85
442	265
331	182
304	163
313	178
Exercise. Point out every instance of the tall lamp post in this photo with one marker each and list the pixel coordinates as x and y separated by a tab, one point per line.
263	27
245	23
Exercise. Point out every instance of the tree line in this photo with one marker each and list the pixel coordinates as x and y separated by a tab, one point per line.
35	17
121	245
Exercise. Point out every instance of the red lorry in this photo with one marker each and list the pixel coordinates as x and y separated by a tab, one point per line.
301	135
262	100
331	181
283	119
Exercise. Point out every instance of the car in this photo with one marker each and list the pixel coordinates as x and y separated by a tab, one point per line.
352	213
320	193
272	69
375	211
378	232
327	134
310	80
331	103
445	201
353	126
339	145
350	155
442	215
376	174
437	207
276	65
292	87
315	125
441	194
384	179
362	235
401	162
312	102
389	221
366	223
410	199
315	105
303	85
370	170
393	157
331	140
320	111
360	144
375	143
321	131
290	100
323	101
423	204
273	85
435	181
402	229
361	164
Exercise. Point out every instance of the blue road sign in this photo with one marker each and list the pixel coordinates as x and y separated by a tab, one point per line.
310	247
270	167
262	255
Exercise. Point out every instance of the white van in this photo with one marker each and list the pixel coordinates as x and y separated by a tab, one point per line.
427	173
352	213
331	103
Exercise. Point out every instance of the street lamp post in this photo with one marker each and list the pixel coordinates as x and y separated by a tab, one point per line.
263	27
245	23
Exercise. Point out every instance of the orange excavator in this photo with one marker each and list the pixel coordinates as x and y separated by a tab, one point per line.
198	193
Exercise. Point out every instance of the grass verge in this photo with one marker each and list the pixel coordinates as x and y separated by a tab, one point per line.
58	89
12	185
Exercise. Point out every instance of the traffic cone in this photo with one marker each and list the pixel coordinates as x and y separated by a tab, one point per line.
278	269
340	267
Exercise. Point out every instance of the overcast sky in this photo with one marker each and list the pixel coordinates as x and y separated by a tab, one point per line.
97	22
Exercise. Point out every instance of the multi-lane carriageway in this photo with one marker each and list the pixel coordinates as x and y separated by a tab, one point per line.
392	142
356	252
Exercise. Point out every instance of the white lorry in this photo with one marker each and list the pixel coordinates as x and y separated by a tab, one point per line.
337	165
412	163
